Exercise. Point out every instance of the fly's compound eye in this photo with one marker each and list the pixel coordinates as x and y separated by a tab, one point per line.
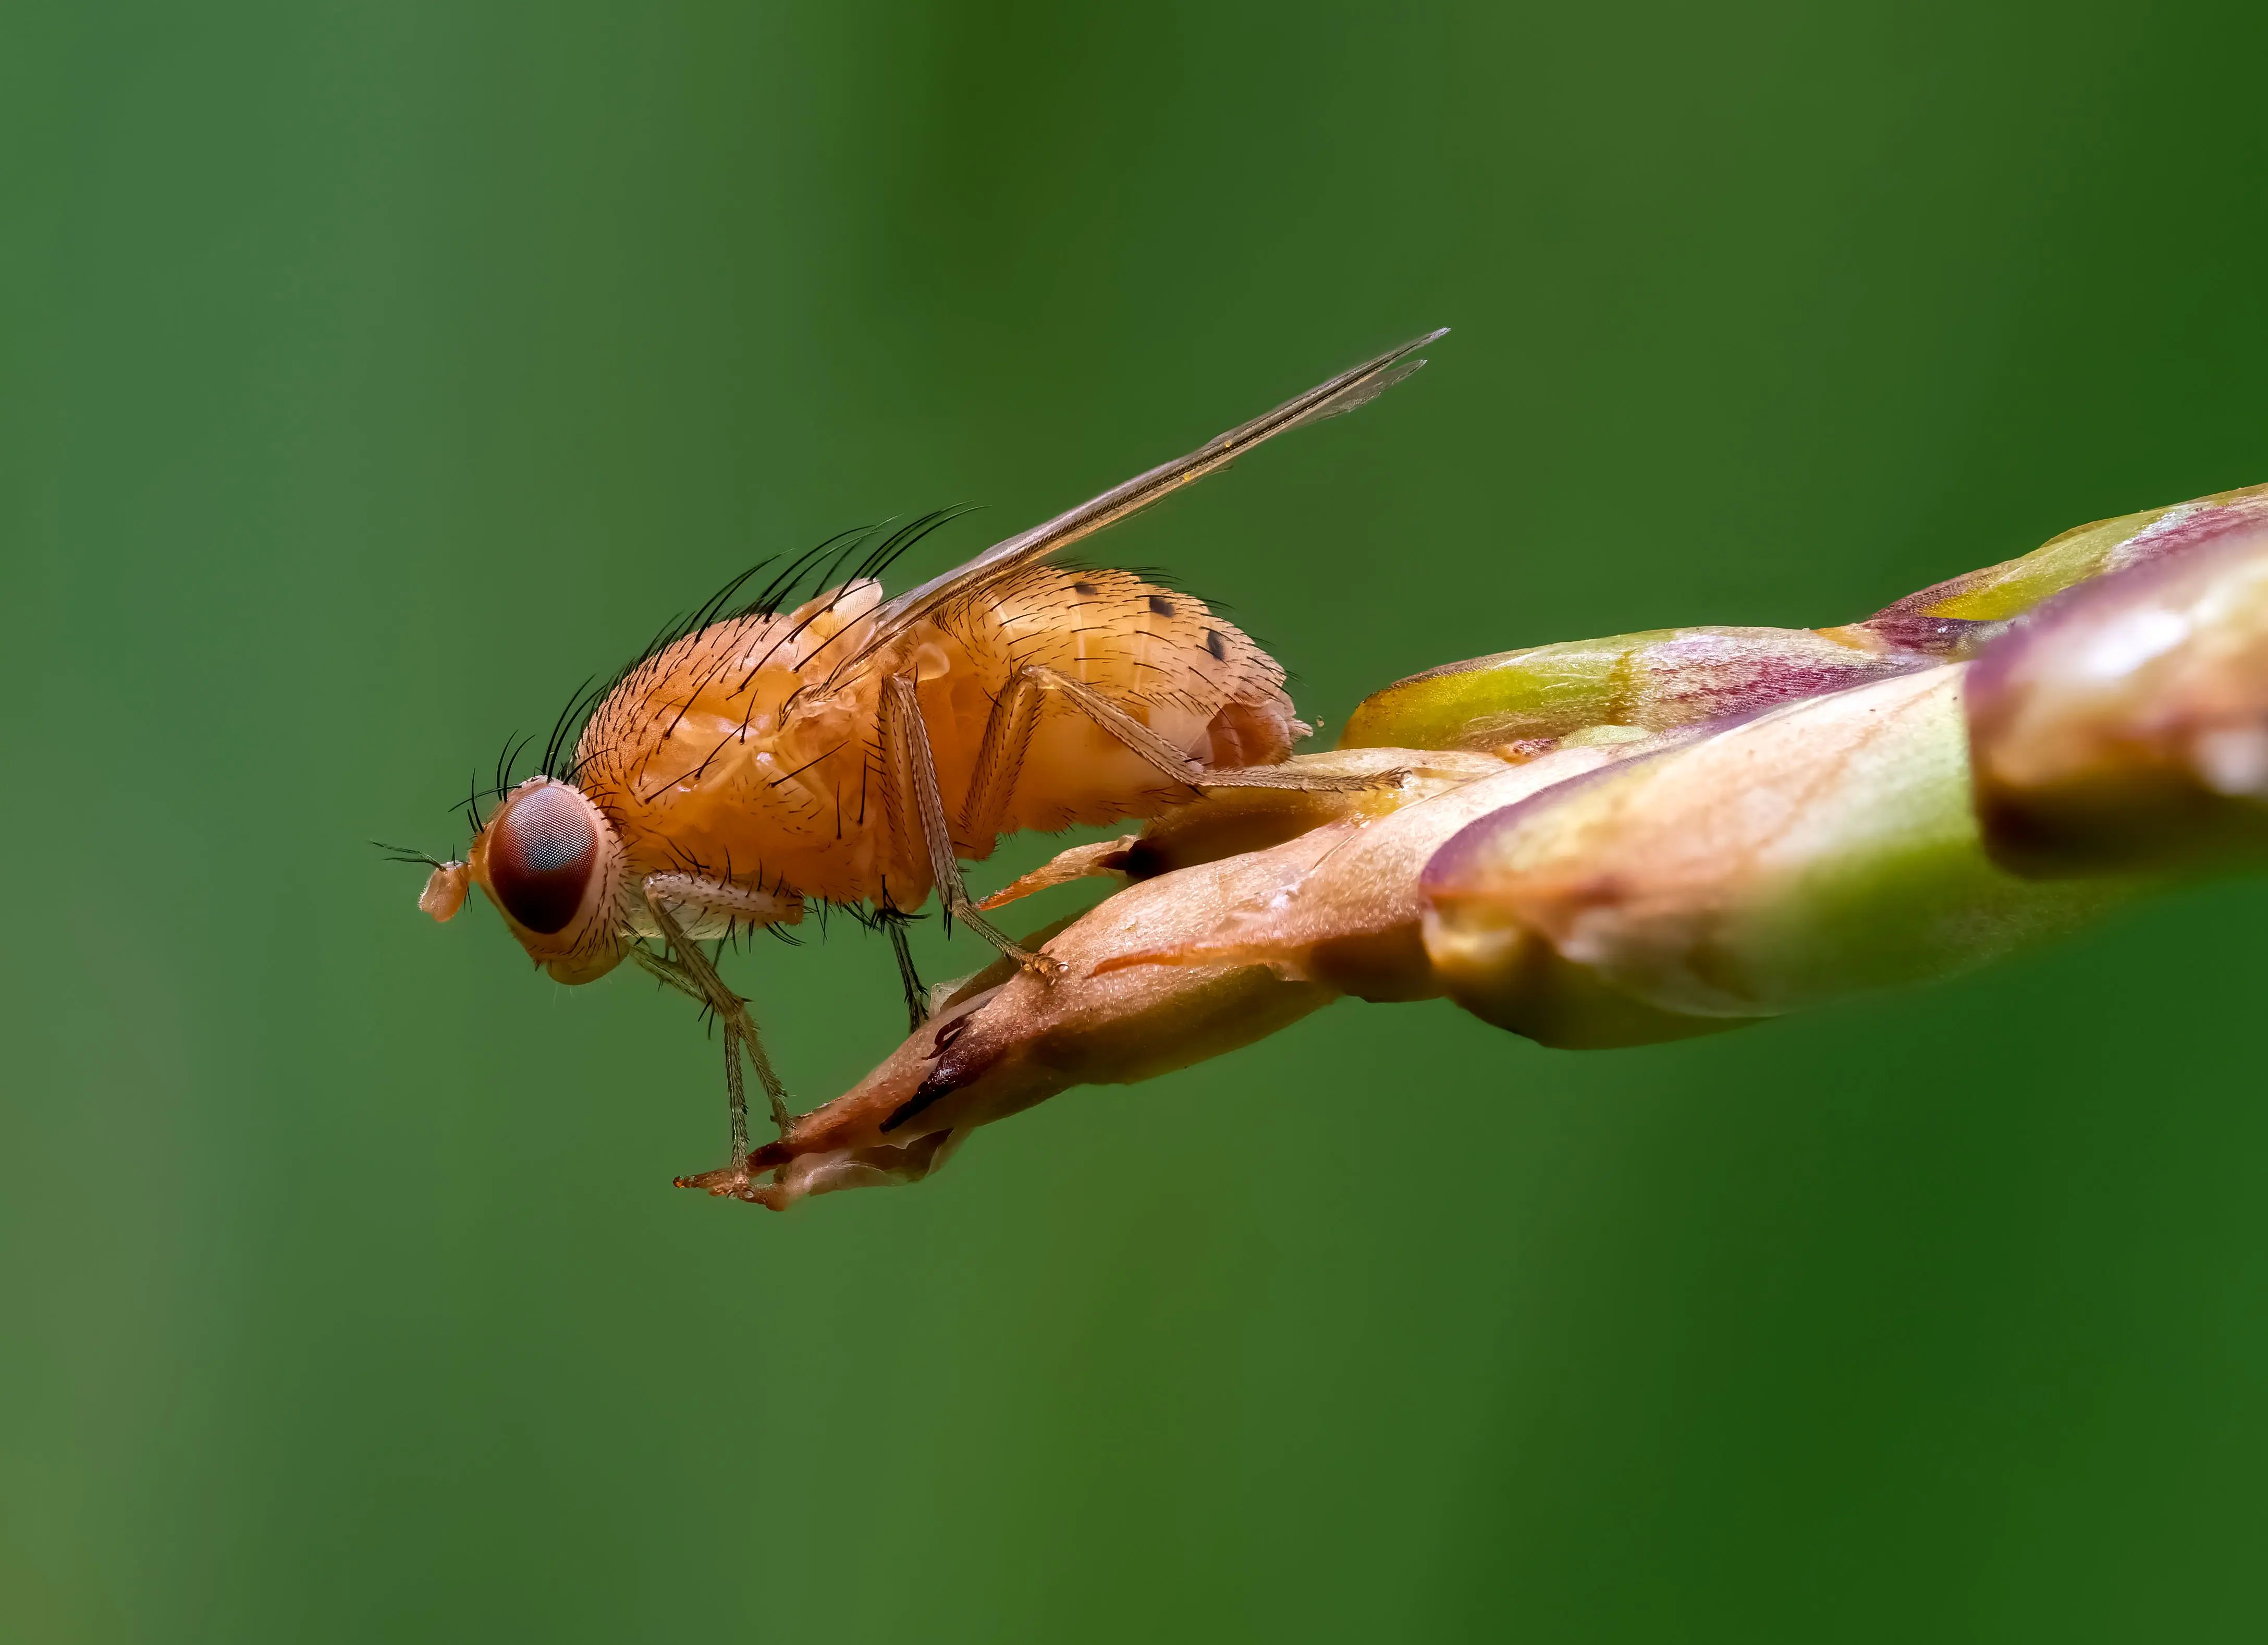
542	858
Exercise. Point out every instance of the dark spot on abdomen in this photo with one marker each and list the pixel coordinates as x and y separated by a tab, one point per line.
1216	645
1162	605
1087	589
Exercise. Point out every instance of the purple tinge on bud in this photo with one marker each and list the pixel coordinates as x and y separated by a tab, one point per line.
2124	725
1660	680
1822	850
1997	593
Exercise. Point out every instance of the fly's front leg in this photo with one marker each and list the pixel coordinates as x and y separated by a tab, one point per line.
736	1102
917	809
1171	761
736	1096
684	967
690	972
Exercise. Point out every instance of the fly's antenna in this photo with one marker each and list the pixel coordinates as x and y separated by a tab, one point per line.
410	854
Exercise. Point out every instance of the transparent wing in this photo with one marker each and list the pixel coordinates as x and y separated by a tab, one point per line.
1347	392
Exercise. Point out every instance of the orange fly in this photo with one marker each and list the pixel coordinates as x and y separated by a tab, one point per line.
855	749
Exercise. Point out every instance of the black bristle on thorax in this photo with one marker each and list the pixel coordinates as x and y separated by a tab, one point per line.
826	565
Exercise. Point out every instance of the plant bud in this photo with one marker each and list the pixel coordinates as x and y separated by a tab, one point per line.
2015	586
1353	921
2124	725
1822	850
1520	702
1007	1038
1227	821
1523	702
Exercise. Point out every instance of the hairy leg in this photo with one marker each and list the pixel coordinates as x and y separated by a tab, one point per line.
1172	763
918	807
1000	757
687	968
909	979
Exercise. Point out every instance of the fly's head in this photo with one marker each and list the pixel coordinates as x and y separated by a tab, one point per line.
552	864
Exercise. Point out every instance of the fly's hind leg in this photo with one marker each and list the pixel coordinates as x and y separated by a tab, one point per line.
917	807
1171	761
1000	757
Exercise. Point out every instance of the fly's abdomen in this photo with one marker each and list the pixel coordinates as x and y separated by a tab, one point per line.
1162	657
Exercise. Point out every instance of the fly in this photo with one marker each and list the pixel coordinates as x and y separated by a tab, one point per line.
855	749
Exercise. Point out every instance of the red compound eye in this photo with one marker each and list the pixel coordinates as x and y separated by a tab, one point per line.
542	857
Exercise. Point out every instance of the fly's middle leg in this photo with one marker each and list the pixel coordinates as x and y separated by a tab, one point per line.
1000	757
917	806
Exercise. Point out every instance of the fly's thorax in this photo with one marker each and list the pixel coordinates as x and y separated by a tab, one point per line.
552	862
737	681
826	631
763	780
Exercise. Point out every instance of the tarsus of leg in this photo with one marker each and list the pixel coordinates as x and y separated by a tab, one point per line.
909	979
736	1096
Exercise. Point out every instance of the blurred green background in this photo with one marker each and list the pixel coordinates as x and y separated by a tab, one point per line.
372	373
